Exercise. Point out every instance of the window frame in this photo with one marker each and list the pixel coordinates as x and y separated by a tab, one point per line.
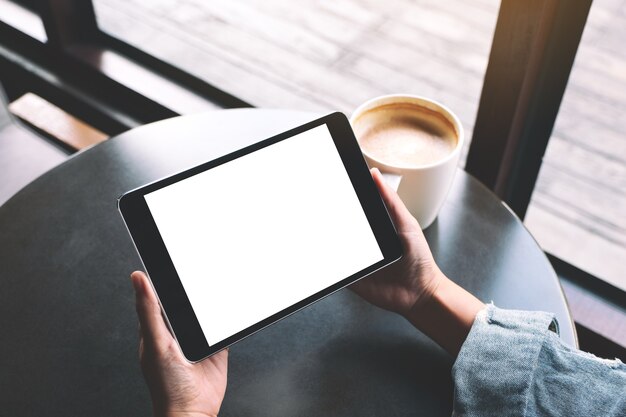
532	55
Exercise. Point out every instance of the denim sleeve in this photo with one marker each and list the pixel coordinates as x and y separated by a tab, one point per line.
514	364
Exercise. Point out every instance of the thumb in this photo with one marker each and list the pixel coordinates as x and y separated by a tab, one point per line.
400	215
153	328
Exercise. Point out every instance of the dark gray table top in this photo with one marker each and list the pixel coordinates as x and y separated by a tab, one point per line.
69	331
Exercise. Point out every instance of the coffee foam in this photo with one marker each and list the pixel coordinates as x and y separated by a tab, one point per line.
405	135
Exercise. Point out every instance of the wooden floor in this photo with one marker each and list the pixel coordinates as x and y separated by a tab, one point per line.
334	54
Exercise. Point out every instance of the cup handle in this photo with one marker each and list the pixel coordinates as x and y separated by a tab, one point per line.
392	180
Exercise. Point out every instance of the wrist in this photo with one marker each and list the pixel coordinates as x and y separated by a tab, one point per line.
446	315
428	290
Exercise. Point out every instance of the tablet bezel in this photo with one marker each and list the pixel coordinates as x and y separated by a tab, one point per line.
175	304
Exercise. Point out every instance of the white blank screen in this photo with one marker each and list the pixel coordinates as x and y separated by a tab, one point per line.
260	233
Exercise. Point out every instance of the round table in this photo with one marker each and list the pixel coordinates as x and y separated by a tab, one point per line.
69	330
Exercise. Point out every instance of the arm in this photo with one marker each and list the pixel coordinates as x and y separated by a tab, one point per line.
447	316
513	363
508	363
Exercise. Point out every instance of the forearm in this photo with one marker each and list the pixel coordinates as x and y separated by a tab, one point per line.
447	316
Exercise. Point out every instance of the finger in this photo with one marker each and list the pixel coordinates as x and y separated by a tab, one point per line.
221	358
151	324
140	347
400	215
222	355
362	287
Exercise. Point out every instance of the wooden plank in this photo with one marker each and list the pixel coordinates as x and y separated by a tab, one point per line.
331	20
613	42
281	31
583	202
311	78
446	26
419	65
606	172
394	9
271	62
230	71
605	143
602	63
352	11
472	59
482	17
596	84
487	4
597	138
225	39
390	8
57	123
390	80
564	238
588	117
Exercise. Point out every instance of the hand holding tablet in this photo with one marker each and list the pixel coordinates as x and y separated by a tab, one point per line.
238	243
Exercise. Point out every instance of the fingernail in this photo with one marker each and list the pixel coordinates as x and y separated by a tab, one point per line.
135	281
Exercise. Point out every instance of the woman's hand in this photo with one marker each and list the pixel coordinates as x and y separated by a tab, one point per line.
415	287
177	387
408	283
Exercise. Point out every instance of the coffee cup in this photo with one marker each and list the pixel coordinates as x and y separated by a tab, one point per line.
416	143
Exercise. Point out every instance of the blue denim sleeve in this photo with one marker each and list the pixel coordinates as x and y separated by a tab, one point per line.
514	364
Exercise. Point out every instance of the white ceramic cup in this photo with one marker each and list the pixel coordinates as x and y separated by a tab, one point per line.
423	189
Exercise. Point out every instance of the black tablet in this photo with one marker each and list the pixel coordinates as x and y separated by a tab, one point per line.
240	242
